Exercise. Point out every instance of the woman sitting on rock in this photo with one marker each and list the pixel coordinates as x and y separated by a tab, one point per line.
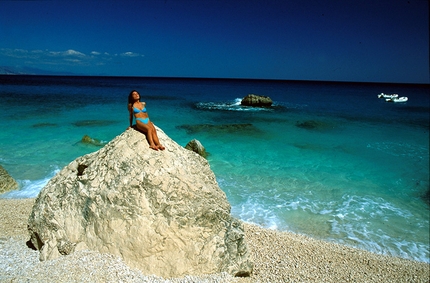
138	110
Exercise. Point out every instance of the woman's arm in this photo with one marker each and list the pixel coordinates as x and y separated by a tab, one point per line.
130	112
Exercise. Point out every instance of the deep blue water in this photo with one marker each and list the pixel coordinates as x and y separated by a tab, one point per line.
329	160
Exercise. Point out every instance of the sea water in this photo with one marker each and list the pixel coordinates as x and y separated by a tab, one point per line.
329	160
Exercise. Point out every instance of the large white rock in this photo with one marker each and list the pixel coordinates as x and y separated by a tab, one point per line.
161	211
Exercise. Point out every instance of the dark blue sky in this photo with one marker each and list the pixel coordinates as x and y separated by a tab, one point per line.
335	40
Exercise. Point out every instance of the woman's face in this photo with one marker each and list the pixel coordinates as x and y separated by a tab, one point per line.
135	95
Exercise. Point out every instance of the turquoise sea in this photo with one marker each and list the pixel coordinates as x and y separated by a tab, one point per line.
329	160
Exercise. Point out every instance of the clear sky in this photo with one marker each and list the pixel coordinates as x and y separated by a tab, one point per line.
334	40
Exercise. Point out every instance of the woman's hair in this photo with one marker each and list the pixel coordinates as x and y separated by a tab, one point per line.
130	97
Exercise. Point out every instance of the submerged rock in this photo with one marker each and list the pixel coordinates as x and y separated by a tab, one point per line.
197	147
44	125
93	123
257	101
314	125
161	211
89	140
7	183
426	196
230	128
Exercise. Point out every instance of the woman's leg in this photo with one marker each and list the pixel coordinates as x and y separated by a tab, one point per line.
152	142
155	138
149	133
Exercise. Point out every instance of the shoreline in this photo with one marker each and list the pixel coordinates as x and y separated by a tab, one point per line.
278	257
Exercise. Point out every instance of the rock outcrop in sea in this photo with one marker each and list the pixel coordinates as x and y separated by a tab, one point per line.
256	101
7	183
89	140
161	211
197	147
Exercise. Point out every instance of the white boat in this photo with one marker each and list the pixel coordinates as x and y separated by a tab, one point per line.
384	95
397	99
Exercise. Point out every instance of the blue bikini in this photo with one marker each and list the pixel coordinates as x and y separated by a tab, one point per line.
143	120
137	111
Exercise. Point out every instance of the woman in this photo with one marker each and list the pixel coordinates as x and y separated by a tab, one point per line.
138	110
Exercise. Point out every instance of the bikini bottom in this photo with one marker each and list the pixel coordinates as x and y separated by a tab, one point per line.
144	121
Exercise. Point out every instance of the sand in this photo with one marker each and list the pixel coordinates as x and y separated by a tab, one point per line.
278	257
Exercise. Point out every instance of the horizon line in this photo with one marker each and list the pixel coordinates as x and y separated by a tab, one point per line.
214	78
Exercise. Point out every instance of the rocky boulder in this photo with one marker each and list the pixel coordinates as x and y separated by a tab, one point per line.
197	147
7	183
256	101
161	211
89	140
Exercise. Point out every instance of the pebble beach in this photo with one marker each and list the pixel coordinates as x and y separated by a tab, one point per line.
278	257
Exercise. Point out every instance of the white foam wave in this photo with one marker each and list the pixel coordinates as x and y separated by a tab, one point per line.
400	149
370	223
253	212
366	222
29	188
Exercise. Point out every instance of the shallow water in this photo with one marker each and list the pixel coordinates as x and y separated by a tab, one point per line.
329	160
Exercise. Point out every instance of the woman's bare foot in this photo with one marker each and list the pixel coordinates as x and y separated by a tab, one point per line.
153	147
161	147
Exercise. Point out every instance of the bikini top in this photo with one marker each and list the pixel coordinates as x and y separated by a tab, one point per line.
137	110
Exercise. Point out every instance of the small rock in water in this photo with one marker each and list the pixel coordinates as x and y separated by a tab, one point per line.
89	140
257	101
197	147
